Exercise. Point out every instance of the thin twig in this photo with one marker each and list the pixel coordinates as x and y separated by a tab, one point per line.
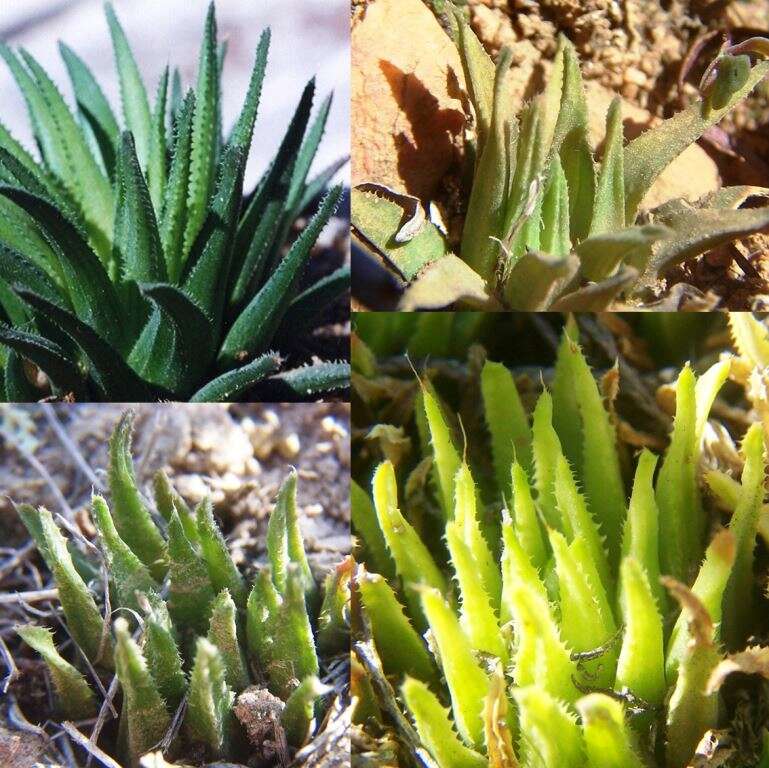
16	559
13	670
34	596
32	460
70	445
88	745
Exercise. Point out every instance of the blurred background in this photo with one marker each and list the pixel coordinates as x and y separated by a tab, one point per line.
309	37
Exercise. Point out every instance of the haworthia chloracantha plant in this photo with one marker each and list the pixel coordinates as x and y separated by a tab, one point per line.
529	592
133	266
549	224
188	633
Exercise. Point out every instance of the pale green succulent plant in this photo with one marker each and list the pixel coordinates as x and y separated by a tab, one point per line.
548	225
187	633
541	598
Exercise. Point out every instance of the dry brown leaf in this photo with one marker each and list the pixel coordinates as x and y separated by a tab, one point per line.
499	743
406	85
754	660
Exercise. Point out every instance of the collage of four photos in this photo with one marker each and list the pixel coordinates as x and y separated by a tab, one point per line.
384	384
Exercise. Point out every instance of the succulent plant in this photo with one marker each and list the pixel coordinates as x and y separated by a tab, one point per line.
529	593
547	224
208	664
132	265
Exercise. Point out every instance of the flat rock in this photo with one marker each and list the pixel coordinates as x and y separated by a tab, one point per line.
406	81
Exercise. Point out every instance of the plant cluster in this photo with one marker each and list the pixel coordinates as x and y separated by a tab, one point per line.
517	606
132	265
548	225
205	661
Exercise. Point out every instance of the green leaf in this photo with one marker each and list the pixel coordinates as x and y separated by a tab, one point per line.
136	107
692	709
228	386
468	684
400	647
507	422
366	528
435	728
695	232
546	450
446	281
305	310
641	535
206	275
708	588
413	561
93	106
648	155
162	652
168	500
333	633
138	252
223	633
260	222
486	220
527	523
75	695
16	269
565	417
83	177
115	381
604	487
255	327
209	700
84	622
190	593
175	199
175	346
285	545
18	388
278	631
130	514
536	279
479	71
597	297
297	716
601	254
63	373
579	522
586	617
552	739
144	710
221	569
89	288
378	219
570	140
204	133
244	127
156	165
308	380
609	743
127	573
738	598
468	532
555	237
677	495
609	202
641	666
478	620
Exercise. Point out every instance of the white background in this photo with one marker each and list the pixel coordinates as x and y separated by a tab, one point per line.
309	37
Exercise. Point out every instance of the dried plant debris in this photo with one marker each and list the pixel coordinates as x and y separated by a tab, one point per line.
538	586
157	648
133	266
539	219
